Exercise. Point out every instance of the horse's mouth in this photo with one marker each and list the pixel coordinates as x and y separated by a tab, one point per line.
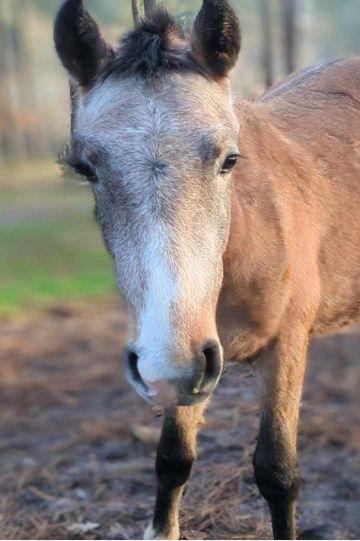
193	399
167	399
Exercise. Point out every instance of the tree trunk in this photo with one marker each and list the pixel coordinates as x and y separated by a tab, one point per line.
142	9
289	12
36	129
14	138
267	51
138	10
149	6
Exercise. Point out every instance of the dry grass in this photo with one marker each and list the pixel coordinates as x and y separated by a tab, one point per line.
77	455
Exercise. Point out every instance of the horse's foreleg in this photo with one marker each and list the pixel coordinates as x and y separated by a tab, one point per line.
175	457
275	461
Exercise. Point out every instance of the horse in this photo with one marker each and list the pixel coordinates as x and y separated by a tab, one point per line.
233	225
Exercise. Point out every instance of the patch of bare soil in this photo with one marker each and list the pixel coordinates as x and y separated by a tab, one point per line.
77	458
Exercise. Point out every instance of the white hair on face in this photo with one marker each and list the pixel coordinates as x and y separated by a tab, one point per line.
174	296
155	327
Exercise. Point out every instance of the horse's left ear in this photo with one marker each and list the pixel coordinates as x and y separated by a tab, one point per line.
216	39
78	42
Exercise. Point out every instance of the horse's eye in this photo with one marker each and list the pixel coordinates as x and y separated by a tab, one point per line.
85	170
229	163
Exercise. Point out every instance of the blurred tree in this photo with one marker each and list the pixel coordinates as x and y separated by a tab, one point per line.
13	137
289	26
103	10
138	10
267	46
186	20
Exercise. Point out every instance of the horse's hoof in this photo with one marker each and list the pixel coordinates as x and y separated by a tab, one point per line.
150	533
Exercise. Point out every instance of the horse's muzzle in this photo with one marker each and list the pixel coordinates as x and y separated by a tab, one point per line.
194	386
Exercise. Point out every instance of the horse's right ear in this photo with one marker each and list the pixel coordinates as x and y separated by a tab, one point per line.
78	43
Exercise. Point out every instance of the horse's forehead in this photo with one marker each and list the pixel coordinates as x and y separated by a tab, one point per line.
131	119
113	101
135	101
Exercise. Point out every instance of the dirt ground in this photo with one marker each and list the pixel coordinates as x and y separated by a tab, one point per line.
77	445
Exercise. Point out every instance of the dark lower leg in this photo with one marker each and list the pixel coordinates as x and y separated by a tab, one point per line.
277	477
175	457
275	461
283	520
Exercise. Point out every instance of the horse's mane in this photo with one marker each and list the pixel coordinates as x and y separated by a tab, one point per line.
156	46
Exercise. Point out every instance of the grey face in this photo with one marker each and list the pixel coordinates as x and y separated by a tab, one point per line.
158	152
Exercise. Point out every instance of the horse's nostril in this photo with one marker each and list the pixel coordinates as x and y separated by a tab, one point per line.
213	365
134	376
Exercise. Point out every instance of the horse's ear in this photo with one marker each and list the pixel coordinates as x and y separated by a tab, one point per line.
78	42
217	37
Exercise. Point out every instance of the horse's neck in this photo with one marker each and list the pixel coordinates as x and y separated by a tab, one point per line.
275	181
272	198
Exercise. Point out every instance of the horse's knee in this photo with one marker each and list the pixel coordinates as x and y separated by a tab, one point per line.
173	468
277	475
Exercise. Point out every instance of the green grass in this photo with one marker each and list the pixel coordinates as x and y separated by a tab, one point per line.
50	247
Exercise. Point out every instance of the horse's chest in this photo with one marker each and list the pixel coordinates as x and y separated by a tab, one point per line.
248	316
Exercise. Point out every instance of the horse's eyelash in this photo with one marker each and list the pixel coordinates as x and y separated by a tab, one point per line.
69	171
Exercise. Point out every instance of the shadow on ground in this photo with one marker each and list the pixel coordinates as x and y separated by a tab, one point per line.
77	446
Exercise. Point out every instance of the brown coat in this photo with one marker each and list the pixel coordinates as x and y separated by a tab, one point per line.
294	249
